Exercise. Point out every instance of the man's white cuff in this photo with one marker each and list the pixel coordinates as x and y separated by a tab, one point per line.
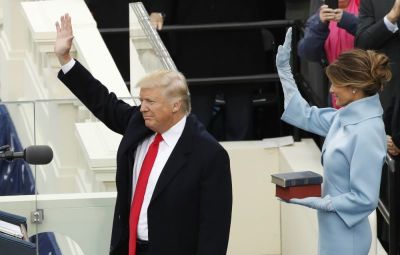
68	66
390	26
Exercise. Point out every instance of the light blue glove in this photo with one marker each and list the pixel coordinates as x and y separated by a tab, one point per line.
323	204
284	70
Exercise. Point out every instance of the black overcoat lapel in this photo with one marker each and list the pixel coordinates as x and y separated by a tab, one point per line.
177	160
134	134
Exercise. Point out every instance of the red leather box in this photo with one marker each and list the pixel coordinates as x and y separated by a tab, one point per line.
298	184
298	191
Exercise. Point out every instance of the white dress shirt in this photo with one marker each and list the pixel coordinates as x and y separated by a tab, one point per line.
170	138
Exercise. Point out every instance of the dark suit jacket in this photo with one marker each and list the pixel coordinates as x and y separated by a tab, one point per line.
190	210
373	34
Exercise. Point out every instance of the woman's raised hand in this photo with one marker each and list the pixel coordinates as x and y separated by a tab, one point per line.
284	70
283	56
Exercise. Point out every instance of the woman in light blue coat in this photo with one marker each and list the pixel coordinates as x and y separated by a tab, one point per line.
354	149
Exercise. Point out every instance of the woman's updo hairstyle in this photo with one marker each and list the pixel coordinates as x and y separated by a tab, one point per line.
365	70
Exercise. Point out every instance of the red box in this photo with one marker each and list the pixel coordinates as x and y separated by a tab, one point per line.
302	191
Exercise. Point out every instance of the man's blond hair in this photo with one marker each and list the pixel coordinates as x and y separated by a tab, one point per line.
173	83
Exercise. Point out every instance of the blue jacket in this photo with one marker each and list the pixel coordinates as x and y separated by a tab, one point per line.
352	156
311	47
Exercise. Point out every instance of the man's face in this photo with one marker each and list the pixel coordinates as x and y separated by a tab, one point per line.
157	110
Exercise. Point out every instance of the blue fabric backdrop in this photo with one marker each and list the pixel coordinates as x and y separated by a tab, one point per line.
16	177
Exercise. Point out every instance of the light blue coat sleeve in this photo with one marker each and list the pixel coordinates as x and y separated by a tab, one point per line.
366	161
312	119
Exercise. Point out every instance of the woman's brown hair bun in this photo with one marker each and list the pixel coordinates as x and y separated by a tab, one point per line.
365	70
380	68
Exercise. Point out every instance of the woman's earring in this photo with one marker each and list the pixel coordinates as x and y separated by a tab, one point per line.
354	91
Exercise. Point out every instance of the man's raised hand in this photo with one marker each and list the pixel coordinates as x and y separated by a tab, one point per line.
64	39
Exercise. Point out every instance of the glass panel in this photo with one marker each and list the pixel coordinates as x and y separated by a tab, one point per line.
16	133
84	149
56	244
84	218
59	124
77	189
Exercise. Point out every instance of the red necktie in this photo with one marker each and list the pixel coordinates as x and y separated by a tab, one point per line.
138	197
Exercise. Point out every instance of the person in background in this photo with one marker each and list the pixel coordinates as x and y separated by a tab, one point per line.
328	33
354	149
378	29
219	53
391	144
174	190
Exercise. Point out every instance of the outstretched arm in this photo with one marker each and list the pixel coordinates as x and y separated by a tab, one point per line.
284	70
64	39
95	96
297	111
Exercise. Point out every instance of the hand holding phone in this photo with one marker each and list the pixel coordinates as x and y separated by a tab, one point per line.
326	14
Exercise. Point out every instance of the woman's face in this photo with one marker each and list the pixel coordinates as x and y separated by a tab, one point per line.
343	4
344	95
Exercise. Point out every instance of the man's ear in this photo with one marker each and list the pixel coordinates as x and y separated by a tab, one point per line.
176	106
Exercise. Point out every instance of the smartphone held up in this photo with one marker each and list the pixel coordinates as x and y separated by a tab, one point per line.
333	4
